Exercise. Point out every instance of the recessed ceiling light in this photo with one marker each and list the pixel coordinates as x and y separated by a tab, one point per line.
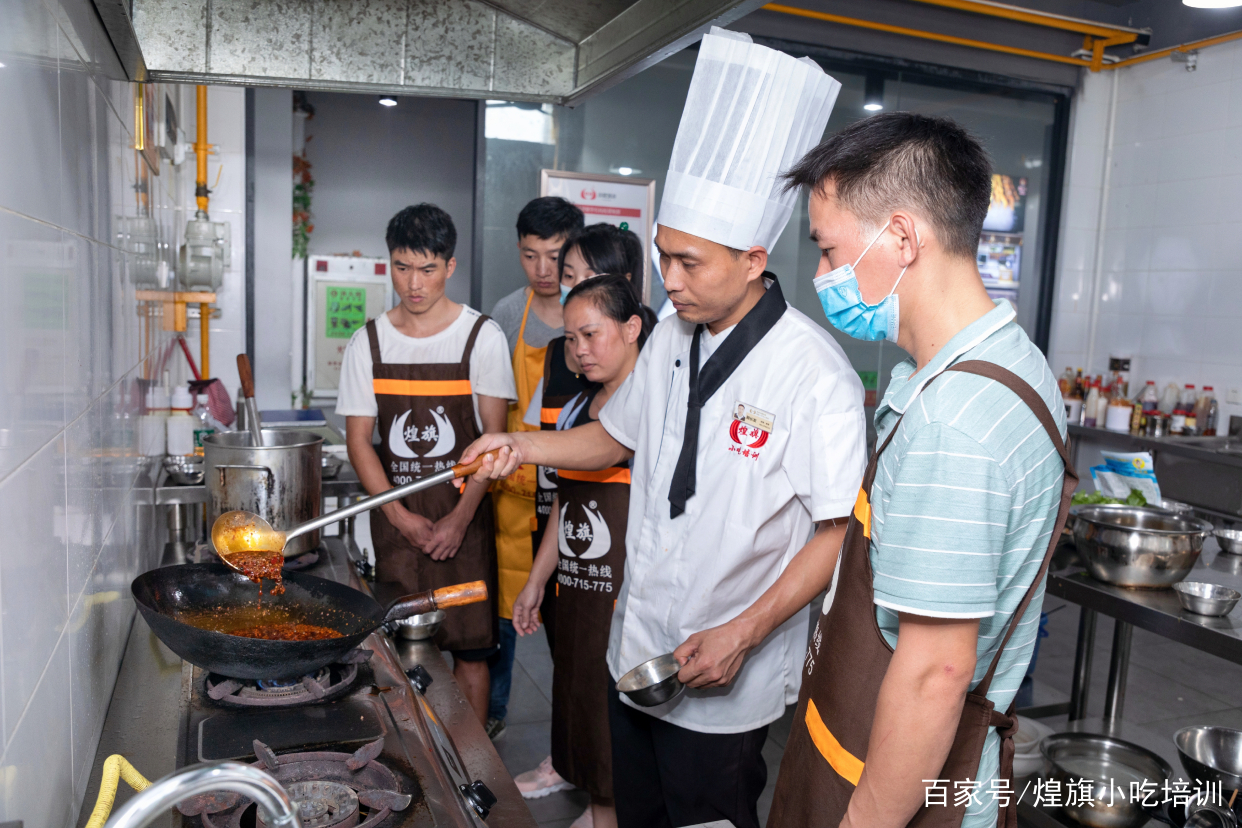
873	92
625	170
1	65
387	100
1212	4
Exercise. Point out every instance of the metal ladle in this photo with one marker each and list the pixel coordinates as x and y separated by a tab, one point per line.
240	531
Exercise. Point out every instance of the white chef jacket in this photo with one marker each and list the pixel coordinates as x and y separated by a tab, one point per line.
752	510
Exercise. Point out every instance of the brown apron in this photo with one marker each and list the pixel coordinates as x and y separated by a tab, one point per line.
560	385
827	749
426	420
594	508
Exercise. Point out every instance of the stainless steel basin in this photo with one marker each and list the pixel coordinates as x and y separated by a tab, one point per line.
1137	546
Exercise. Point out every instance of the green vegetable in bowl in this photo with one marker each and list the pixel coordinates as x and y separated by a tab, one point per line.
1135	498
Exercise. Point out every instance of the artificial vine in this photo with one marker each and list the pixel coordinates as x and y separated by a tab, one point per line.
303	186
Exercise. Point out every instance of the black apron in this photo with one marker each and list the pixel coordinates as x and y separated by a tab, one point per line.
594	508
848	658
426	420
560	385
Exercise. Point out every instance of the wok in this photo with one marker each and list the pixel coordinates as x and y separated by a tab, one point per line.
172	598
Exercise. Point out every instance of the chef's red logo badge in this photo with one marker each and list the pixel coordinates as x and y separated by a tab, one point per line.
746	440
588	194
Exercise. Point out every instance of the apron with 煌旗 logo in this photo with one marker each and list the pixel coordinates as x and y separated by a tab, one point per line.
426	420
560	385
848	657
515	495
594	508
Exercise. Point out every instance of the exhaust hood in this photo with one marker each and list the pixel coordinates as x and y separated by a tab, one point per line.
553	51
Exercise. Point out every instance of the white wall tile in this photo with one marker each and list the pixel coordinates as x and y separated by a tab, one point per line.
1184	294
1169	338
1198	107
35	772
32	573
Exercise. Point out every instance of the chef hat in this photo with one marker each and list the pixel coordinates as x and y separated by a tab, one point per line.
751	114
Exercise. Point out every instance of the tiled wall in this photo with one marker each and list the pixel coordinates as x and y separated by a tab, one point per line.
73	535
1164	267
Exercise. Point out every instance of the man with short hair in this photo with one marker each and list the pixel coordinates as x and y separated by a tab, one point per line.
435	374
530	318
722	551
934	610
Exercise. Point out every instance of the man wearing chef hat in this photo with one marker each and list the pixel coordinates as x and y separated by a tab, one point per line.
722	555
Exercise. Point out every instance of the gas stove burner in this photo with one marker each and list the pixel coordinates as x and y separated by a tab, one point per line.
321	805
329	683
331	790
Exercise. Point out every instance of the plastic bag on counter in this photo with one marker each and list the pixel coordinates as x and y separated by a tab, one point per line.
1123	471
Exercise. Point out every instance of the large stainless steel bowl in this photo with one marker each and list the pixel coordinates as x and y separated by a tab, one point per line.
1105	762
1137	546
1211	754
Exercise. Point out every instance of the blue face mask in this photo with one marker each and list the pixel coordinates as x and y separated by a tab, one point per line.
844	306
564	293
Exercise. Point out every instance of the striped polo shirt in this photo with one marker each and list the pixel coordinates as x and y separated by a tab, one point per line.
964	501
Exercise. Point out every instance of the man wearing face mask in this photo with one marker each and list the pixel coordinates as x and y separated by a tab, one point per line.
722	555
935	606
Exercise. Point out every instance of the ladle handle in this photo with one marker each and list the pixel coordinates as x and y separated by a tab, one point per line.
396	493
244	373
252	408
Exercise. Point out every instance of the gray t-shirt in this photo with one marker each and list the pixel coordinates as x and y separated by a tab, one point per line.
508	314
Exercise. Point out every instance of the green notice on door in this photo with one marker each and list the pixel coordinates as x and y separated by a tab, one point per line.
347	311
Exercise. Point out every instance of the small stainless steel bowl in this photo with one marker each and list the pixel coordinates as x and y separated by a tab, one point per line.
330	466
1137	546
420	627
653	682
1211	754
1207	599
1105	762
1229	540
184	470
1177	507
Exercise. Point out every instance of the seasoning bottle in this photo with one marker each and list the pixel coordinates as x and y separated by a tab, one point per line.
1091	406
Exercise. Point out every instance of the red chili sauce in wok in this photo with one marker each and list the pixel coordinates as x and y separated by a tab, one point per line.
288	631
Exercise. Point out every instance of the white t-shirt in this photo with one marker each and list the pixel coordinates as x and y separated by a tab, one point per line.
491	372
758	489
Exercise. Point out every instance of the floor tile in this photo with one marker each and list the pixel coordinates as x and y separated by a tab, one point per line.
526	703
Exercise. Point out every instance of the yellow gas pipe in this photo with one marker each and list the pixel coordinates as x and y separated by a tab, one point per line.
115	768
201	149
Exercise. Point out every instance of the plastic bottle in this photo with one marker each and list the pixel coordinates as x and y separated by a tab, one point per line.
1149	397
1187	399
182	399
1080	390
204	424
1202	404
1168	399
1209	423
1091	406
180	432
1066	383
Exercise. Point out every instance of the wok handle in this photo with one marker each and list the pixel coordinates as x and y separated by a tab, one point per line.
421	602
396	493
460	594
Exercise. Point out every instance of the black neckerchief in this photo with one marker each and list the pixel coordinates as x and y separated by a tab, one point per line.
719	367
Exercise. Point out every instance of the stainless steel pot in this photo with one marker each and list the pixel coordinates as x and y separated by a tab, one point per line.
1137	546
279	481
